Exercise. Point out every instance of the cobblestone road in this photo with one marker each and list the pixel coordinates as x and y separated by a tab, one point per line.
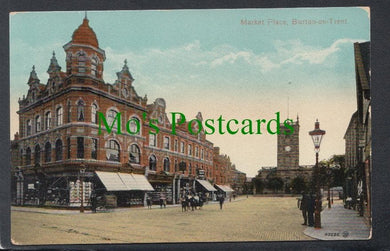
252	219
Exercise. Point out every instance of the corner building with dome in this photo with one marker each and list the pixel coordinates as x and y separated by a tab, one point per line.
58	157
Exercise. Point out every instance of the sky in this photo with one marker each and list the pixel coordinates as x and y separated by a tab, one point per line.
210	61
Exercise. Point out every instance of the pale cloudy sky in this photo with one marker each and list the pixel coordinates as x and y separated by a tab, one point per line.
206	60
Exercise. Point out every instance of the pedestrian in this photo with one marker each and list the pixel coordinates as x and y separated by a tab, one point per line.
234	196
149	202
161	200
310	210
221	200
183	204
303	206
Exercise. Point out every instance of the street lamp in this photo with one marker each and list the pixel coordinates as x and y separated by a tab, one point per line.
316	136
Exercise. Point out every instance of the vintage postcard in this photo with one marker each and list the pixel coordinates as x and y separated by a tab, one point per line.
217	125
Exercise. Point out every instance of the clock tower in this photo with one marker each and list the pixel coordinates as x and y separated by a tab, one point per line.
288	146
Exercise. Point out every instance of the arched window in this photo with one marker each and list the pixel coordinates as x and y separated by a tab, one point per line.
59	149
59	116
201	153
189	149
94	109
37	155
189	168
166	164
111	117
47	152
80	110
37	123
135	154
176	166
48	120
28	156
28	131
94	149
134	123
152	162
113	150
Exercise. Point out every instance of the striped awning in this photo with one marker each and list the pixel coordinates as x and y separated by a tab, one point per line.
225	188
207	185
114	181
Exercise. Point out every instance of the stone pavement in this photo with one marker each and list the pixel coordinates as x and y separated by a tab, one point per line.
339	223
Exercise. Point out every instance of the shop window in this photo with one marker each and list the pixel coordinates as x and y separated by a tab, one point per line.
135	154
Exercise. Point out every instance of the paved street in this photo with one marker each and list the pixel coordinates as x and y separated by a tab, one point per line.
252	219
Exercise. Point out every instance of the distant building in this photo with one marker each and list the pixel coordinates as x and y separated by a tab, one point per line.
287	159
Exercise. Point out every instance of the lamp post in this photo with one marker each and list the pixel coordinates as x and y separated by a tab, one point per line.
316	136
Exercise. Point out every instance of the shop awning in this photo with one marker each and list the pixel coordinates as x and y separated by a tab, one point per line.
224	188
207	185
114	181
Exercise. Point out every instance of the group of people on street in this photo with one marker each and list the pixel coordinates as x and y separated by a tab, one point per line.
307	205
192	201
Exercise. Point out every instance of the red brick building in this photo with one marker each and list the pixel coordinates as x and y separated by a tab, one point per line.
61	151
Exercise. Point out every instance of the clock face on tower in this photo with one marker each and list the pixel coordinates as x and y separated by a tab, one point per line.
287	148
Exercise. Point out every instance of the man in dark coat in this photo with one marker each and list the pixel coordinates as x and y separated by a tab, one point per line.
303	207
221	200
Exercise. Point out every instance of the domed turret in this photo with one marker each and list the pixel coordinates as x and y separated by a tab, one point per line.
85	35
